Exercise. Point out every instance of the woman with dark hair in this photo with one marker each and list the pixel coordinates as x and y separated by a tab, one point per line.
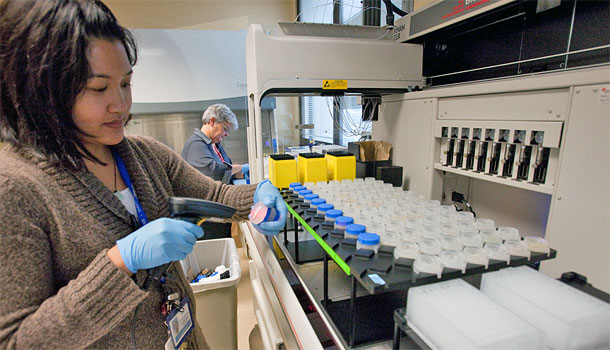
83	209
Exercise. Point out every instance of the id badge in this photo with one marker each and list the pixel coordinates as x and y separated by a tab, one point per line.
180	323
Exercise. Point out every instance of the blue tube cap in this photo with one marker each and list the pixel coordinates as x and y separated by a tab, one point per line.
355	229
334	213
305	191
368	238
294	184
344	220
311	196
298	188
318	201
325	207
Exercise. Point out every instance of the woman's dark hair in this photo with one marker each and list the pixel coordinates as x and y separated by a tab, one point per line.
44	67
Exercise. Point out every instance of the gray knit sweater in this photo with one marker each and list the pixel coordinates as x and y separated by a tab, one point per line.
58	289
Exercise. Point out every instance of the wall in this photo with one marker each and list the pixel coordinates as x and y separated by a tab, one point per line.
201	14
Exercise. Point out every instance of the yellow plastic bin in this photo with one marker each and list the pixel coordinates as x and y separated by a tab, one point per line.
216	301
312	167
341	165
282	170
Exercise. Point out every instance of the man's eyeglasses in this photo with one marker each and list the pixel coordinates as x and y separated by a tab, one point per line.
226	129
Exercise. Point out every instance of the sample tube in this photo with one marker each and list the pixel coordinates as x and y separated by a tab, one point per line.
323	208
354	230
316	201
332	214
309	197
261	213
342	222
368	241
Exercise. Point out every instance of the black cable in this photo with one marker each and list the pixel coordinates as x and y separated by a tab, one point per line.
398	10
133	328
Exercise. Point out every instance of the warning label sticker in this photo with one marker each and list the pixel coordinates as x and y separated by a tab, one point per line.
334	84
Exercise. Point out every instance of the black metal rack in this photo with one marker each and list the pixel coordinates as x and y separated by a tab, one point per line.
388	289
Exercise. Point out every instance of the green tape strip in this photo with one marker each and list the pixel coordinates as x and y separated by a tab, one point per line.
321	242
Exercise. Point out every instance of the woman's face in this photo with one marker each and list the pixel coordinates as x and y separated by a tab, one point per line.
102	107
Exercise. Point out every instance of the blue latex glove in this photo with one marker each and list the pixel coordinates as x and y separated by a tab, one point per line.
271	197
245	168
157	243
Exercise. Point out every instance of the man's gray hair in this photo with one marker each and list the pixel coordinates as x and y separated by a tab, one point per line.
222	113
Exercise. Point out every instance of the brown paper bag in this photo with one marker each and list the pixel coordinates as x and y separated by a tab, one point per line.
374	150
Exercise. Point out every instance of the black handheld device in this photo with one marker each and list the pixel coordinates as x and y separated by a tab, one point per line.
192	210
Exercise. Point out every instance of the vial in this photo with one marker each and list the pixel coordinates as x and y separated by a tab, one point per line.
517	248
449	229
316	201
431	232
490	236
537	244
471	239
410	235
508	233
497	251
407	250
430	246
354	230
453	260
451	243
294	184
390	238
485	223
342	222
465	216
261	213
428	264
369	241
296	189
332	214
304	192
309	197
476	255
323	208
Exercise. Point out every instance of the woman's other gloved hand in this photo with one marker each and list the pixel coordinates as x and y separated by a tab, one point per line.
271	197
245	169
157	243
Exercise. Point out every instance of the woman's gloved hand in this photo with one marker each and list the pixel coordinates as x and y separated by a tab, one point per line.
245	169
271	197
157	243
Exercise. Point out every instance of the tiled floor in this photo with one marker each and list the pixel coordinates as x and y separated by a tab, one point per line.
245	310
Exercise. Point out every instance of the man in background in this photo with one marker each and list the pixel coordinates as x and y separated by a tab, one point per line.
205	153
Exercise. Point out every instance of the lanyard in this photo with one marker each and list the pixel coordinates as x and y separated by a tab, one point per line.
125	176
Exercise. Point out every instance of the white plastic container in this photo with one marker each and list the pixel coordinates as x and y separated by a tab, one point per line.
449	229
470	239
453	260
490	236
570	318
216	301
390	238
537	244
482	223
476	255
409	234
430	246
508	233
465	216
455	315
451	243
369	241
428	264
497	251
405	249
517	248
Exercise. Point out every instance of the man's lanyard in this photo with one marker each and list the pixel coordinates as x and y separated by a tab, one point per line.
125	176
218	152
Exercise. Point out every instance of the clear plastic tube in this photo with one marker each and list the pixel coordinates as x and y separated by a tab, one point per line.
428	264
508	233
430	246
453	260
407	250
